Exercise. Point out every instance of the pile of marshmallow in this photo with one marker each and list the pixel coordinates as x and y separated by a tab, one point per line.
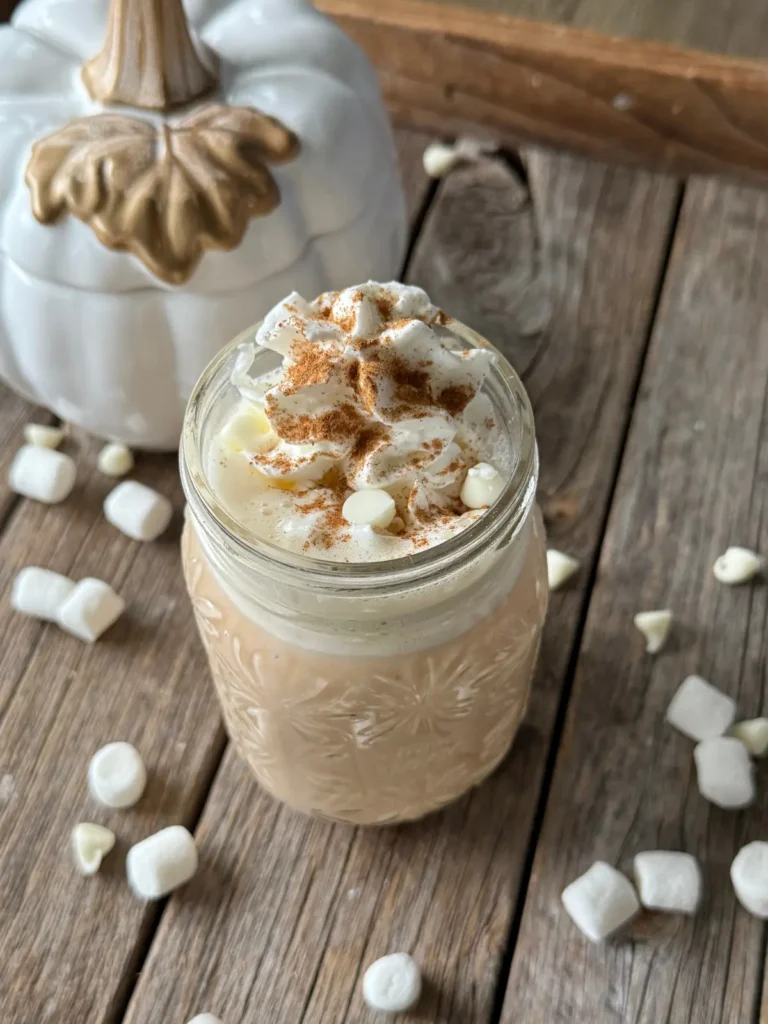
603	899
88	608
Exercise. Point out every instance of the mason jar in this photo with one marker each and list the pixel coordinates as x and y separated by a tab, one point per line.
373	692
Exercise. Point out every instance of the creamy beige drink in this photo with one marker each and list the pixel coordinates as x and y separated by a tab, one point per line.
364	558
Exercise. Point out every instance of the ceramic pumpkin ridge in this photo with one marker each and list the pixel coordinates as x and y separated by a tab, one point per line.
167	192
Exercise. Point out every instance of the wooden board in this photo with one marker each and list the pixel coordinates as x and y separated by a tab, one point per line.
736	27
287	912
449	68
70	946
692	482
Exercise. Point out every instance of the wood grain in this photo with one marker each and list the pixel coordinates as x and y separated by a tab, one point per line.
692	482
287	913
451	69
736	27
69	945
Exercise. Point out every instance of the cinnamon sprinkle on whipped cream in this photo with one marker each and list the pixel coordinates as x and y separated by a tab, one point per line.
374	391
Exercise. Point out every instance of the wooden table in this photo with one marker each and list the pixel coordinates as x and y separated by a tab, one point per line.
635	308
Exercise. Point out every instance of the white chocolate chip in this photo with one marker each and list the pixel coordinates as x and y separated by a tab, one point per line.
90	609
392	984
42	474
560	568
600	901
40	592
753	734
724	772
161	863
738	565
699	710
43	436
668	880
439	159
115	459
138	511
116	775
482	486
248	430
749	874
90	844
204	1018
655	628
369	508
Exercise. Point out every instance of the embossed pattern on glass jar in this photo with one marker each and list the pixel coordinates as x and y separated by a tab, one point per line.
371	740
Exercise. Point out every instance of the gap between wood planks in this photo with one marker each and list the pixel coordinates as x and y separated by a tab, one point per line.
573	659
420	195
288	907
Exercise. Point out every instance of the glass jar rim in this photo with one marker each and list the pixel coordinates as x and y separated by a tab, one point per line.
507	515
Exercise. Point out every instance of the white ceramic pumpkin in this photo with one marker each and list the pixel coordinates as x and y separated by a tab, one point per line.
134	245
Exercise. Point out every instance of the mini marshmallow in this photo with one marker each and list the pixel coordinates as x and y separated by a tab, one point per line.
440	159
392	984
138	511
482	486
560	568
699	710
161	863
42	474
90	844
40	592
205	1018
725	773
738	565
600	901
90	609
43	436
667	880
369	508
655	628
749	875
116	775
753	734
115	459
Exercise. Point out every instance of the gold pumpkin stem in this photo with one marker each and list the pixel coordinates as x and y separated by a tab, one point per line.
149	58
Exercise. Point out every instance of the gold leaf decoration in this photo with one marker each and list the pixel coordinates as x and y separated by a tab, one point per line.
164	192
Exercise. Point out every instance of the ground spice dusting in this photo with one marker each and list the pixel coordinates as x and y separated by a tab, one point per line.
385	306
342	424
455	398
313	363
310	365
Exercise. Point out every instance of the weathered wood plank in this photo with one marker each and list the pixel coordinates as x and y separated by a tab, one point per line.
288	912
447	68
692	482
735	27
70	947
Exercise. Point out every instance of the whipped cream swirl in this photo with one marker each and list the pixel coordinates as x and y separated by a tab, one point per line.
374	391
